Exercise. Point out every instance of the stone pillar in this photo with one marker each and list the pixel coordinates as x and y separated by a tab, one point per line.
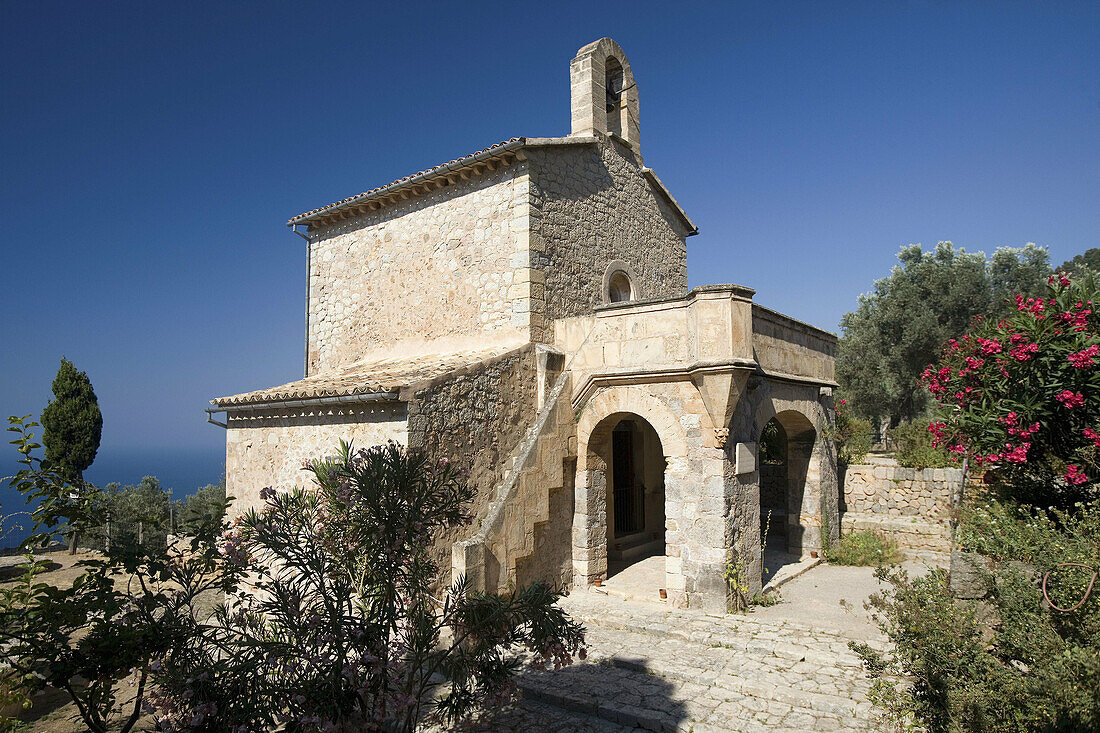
590	527
803	498
828	482
743	526
703	526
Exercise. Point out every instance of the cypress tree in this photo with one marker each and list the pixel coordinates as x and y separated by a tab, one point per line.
71	427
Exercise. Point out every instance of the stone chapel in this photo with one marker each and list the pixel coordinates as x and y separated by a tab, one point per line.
524	311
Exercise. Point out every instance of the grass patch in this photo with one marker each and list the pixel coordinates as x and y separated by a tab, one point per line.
863	548
765	599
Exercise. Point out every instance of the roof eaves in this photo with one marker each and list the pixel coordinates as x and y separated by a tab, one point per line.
653	179
497	150
373	393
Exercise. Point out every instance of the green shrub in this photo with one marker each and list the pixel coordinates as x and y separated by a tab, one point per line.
851	434
915	446
1019	397
863	548
1008	663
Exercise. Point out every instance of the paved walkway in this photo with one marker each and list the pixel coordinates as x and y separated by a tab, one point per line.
650	667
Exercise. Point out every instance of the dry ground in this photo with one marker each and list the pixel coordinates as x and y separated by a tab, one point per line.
52	711
653	668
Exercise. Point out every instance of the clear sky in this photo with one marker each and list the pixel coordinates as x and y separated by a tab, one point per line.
151	153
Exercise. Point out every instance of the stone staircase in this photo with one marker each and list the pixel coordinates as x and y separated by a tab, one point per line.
506	535
654	668
636	546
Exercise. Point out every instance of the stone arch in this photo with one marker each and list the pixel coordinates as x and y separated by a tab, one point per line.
619	268
597	420
802	509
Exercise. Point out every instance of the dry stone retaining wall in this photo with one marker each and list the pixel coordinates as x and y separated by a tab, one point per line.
912	506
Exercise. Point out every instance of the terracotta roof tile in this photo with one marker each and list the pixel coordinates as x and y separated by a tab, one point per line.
384	376
513	142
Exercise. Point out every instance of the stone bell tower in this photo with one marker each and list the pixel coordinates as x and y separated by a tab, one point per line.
604	95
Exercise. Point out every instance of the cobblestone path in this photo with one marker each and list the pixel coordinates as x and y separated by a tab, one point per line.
654	668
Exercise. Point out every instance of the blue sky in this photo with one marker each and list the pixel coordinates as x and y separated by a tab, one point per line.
151	153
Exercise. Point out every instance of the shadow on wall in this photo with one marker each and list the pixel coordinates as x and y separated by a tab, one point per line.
620	689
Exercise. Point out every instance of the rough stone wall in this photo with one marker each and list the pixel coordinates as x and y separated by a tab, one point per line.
438	265
523	536
591	206
782	344
893	491
911	506
476	418
268	448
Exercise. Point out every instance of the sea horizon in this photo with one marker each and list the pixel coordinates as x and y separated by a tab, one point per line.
182	471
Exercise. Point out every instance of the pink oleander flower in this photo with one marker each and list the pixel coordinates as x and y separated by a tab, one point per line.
1084	358
1075	475
989	346
1024	352
1017	454
1070	399
1093	436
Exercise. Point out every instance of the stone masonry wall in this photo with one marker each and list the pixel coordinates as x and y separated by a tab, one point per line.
268	448
528	537
592	206
912	506
476	418
783	344
438	265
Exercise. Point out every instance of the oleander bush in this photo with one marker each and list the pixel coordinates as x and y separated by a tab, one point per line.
1019	398
342	627
321	611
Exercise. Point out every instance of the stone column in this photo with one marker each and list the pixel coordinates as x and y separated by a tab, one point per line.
803	498
743	526
703	526
590	527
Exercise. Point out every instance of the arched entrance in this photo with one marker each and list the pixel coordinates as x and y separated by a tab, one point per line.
786	448
635	495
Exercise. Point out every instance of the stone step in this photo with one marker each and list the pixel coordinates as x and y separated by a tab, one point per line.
705	673
661	620
642	695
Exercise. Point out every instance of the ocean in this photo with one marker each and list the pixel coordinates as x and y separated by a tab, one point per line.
182	471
